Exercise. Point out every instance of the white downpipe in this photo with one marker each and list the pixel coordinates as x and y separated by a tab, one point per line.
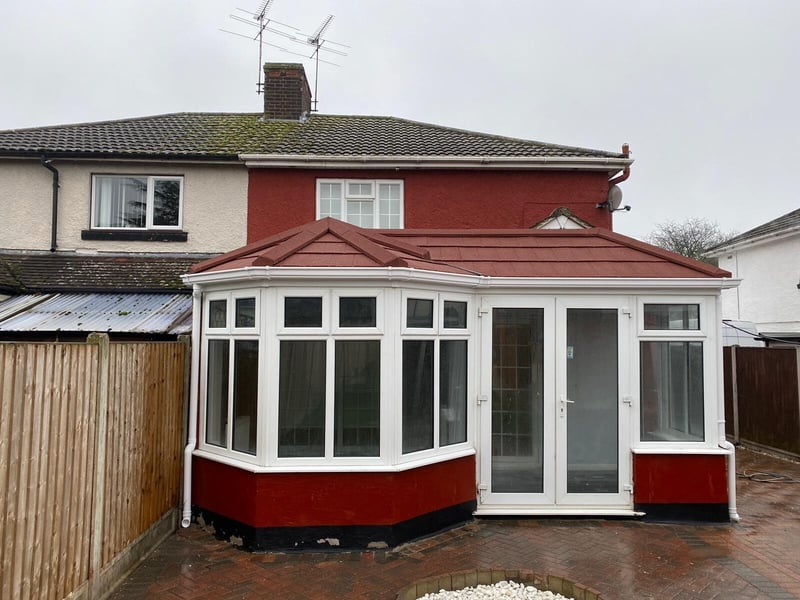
191	442
723	441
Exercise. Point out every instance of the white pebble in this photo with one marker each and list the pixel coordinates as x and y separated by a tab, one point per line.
505	590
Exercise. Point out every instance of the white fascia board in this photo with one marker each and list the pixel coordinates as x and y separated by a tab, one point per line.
325	161
296	275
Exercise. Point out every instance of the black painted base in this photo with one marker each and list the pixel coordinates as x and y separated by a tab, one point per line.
326	538
681	513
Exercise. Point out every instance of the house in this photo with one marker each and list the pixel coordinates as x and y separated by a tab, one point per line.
413	325
765	258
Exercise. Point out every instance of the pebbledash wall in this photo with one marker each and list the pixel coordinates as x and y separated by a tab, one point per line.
279	199
27	192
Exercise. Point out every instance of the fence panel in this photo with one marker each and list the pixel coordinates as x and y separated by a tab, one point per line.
85	468
763	396
144	439
46	451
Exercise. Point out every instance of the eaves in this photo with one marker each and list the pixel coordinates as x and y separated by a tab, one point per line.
608	164
122	156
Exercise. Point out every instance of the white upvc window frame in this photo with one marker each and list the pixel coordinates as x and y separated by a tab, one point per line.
231	333
707	336
374	197
150	199
330	332
437	333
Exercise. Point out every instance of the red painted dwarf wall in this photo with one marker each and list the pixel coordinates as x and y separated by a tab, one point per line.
279	199
679	479
318	499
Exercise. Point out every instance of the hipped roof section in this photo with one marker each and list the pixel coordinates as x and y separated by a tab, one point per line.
570	253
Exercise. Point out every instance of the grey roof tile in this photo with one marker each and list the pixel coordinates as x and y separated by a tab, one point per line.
226	135
27	272
783	223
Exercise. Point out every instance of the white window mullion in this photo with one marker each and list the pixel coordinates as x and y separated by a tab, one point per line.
150	203
436	390
330	388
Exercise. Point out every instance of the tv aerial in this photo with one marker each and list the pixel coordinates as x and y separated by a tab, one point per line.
265	24
315	39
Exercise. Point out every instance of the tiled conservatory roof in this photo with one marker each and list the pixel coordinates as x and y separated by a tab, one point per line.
558	253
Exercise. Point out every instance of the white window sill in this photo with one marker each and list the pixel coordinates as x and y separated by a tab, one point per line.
345	466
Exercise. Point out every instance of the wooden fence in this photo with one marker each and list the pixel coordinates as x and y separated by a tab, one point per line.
762	397
90	461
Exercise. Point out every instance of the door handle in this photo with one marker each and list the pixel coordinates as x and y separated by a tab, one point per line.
564	401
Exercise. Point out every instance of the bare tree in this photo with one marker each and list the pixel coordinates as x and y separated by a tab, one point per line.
690	237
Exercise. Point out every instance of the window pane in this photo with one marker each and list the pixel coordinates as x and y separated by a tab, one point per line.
419	313
672	316
245	395
389	205
245	312
302	312
357	312
330	200
672	391
357	398
455	315
217	392
452	392
166	202
120	201
359	189
361	213
417	395
217	312
301	401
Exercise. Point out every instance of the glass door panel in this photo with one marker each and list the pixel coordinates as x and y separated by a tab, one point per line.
592	401
517	400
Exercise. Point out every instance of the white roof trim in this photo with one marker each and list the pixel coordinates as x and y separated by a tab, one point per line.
366	161
294	275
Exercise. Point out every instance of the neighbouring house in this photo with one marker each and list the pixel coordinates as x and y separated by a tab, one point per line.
767	261
409	325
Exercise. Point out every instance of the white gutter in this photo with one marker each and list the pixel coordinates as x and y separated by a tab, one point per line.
332	161
191	442
402	274
723	440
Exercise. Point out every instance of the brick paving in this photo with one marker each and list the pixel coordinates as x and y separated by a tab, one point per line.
758	558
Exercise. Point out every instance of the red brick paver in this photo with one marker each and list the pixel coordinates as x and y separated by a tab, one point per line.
758	558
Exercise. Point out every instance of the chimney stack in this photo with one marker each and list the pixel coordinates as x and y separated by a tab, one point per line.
287	94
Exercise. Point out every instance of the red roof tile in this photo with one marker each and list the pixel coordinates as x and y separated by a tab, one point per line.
496	253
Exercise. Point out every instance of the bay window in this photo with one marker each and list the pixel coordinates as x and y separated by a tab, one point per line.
136	202
365	203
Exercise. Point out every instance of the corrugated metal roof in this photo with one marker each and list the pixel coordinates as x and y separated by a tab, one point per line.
107	313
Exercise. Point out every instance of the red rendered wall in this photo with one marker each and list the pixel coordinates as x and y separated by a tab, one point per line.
319	499
279	199
679	479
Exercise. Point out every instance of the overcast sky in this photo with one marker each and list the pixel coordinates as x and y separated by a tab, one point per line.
706	92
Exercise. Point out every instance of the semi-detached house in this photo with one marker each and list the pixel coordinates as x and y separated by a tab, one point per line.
408	325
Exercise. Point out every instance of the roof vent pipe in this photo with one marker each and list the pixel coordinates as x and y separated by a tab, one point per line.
46	163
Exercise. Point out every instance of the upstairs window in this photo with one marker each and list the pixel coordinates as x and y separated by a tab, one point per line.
366	203
137	202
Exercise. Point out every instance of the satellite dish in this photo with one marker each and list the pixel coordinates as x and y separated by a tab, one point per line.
614	198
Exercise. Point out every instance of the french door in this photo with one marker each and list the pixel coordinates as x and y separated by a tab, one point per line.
554	405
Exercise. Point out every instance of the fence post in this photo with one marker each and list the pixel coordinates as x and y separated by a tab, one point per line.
734	395
98	501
